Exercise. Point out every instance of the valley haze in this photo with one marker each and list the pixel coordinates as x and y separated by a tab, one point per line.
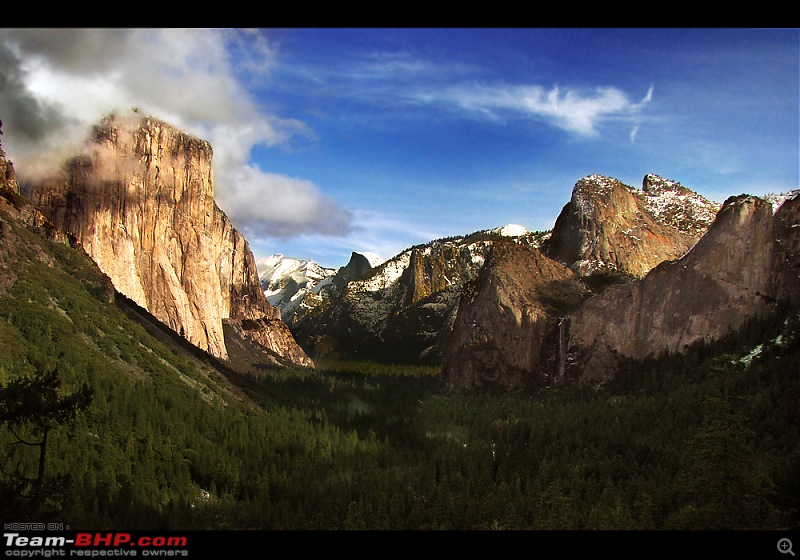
329	141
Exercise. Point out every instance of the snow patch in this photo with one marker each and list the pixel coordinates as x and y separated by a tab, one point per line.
276	272
753	354
389	273
682	209
511	230
373	259
777	200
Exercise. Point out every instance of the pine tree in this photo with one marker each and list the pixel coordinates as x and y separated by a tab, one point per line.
33	405
725	487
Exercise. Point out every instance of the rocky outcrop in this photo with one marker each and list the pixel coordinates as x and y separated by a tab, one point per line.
8	178
529	322
611	227
140	201
357	267
747	261
506	319
9	203
23	228
403	309
23	211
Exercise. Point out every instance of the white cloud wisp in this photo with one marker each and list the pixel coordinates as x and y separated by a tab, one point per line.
571	110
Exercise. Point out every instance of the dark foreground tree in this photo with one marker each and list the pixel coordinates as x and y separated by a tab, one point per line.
32	406
727	485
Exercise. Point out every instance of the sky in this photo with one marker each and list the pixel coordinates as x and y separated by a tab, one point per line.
333	140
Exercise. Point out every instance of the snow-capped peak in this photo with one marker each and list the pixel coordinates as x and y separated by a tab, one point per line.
374	260
275	267
510	230
278	272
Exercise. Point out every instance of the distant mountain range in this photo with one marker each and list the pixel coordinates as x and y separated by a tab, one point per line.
404	308
396	310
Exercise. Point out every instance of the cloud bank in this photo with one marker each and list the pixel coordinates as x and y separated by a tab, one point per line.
57	83
271	205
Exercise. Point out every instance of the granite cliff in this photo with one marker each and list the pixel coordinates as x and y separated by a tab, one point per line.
527	324
405	309
505	318
140	201
611	227
746	262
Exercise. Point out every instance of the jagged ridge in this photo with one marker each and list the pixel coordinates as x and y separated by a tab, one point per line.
403	309
610	226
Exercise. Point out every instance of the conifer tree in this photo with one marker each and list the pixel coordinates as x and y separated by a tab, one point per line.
34	405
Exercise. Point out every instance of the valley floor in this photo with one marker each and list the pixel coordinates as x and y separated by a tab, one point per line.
705	441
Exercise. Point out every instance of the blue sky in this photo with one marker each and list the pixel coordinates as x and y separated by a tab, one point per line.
333	140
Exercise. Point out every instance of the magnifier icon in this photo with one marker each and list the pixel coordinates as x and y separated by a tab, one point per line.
785	546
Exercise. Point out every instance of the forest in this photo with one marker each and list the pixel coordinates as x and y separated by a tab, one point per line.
145	435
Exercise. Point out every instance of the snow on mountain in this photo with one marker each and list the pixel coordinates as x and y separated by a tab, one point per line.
311	279
374	260
286	279
673	204
401	308
778	199
510	230
390	272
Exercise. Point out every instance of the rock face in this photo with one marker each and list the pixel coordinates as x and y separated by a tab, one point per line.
527	323
405	310
505	321
401	310
747	261
23	210
609	226
357	267
8	178
141	203
683	271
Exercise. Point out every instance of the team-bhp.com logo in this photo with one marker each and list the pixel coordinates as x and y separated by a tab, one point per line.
94	545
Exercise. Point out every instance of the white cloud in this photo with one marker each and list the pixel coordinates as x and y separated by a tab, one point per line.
60	82
271	205
576	111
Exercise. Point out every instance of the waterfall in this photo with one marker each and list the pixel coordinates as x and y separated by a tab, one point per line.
562	346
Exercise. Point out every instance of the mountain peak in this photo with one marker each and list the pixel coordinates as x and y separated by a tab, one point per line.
511	230
373	259
596	184
610	225
677	206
